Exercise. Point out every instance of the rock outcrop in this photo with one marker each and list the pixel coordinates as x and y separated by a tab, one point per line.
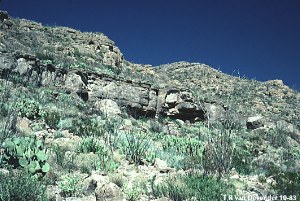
138	98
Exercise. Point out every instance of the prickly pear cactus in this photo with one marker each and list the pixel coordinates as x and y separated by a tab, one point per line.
26	152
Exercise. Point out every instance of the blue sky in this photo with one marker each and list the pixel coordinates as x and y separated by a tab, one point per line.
258	38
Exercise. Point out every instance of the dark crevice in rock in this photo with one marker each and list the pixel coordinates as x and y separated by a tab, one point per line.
84	77
51	68
83	95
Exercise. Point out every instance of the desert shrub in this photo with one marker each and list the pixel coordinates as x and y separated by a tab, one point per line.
278	136
111	128
134	146
242	157
188	146
5	94
134	192
8	127
59	154
52	118
105	160
70	185
155	126
232	121
184	152
287	183
21	186
29	108
8	116
66	123
192	186
16	78
90	144
218	152
174	160
117	179
45	55
86	127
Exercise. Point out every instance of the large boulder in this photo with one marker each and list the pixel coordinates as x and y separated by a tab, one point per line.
74	82
108	107
23	67
108	191
172	98
255	122
214	112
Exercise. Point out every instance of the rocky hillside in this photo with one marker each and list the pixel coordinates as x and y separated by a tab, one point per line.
102	128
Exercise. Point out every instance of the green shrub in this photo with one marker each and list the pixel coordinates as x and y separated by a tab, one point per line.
29	108
21	186
192	186
287	183
155	126
52	118
90	144
28	153
278	136
188	146
134	192
111	128
134	146
86	127
106	161
45	55
70	185
59	154
117	179
242	157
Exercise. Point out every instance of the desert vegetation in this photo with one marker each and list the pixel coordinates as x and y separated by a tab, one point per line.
82	123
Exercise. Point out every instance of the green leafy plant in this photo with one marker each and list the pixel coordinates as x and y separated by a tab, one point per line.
52	118
242	156
90	144
278	136
186	150
21	186
59	154
86	127
105	162
135	146
155	126
117	179
134	192
192	186
29	108
69	185
287	183
185	145
26	152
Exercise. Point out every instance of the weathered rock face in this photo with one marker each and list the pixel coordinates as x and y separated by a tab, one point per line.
92	66
179	104
138	98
